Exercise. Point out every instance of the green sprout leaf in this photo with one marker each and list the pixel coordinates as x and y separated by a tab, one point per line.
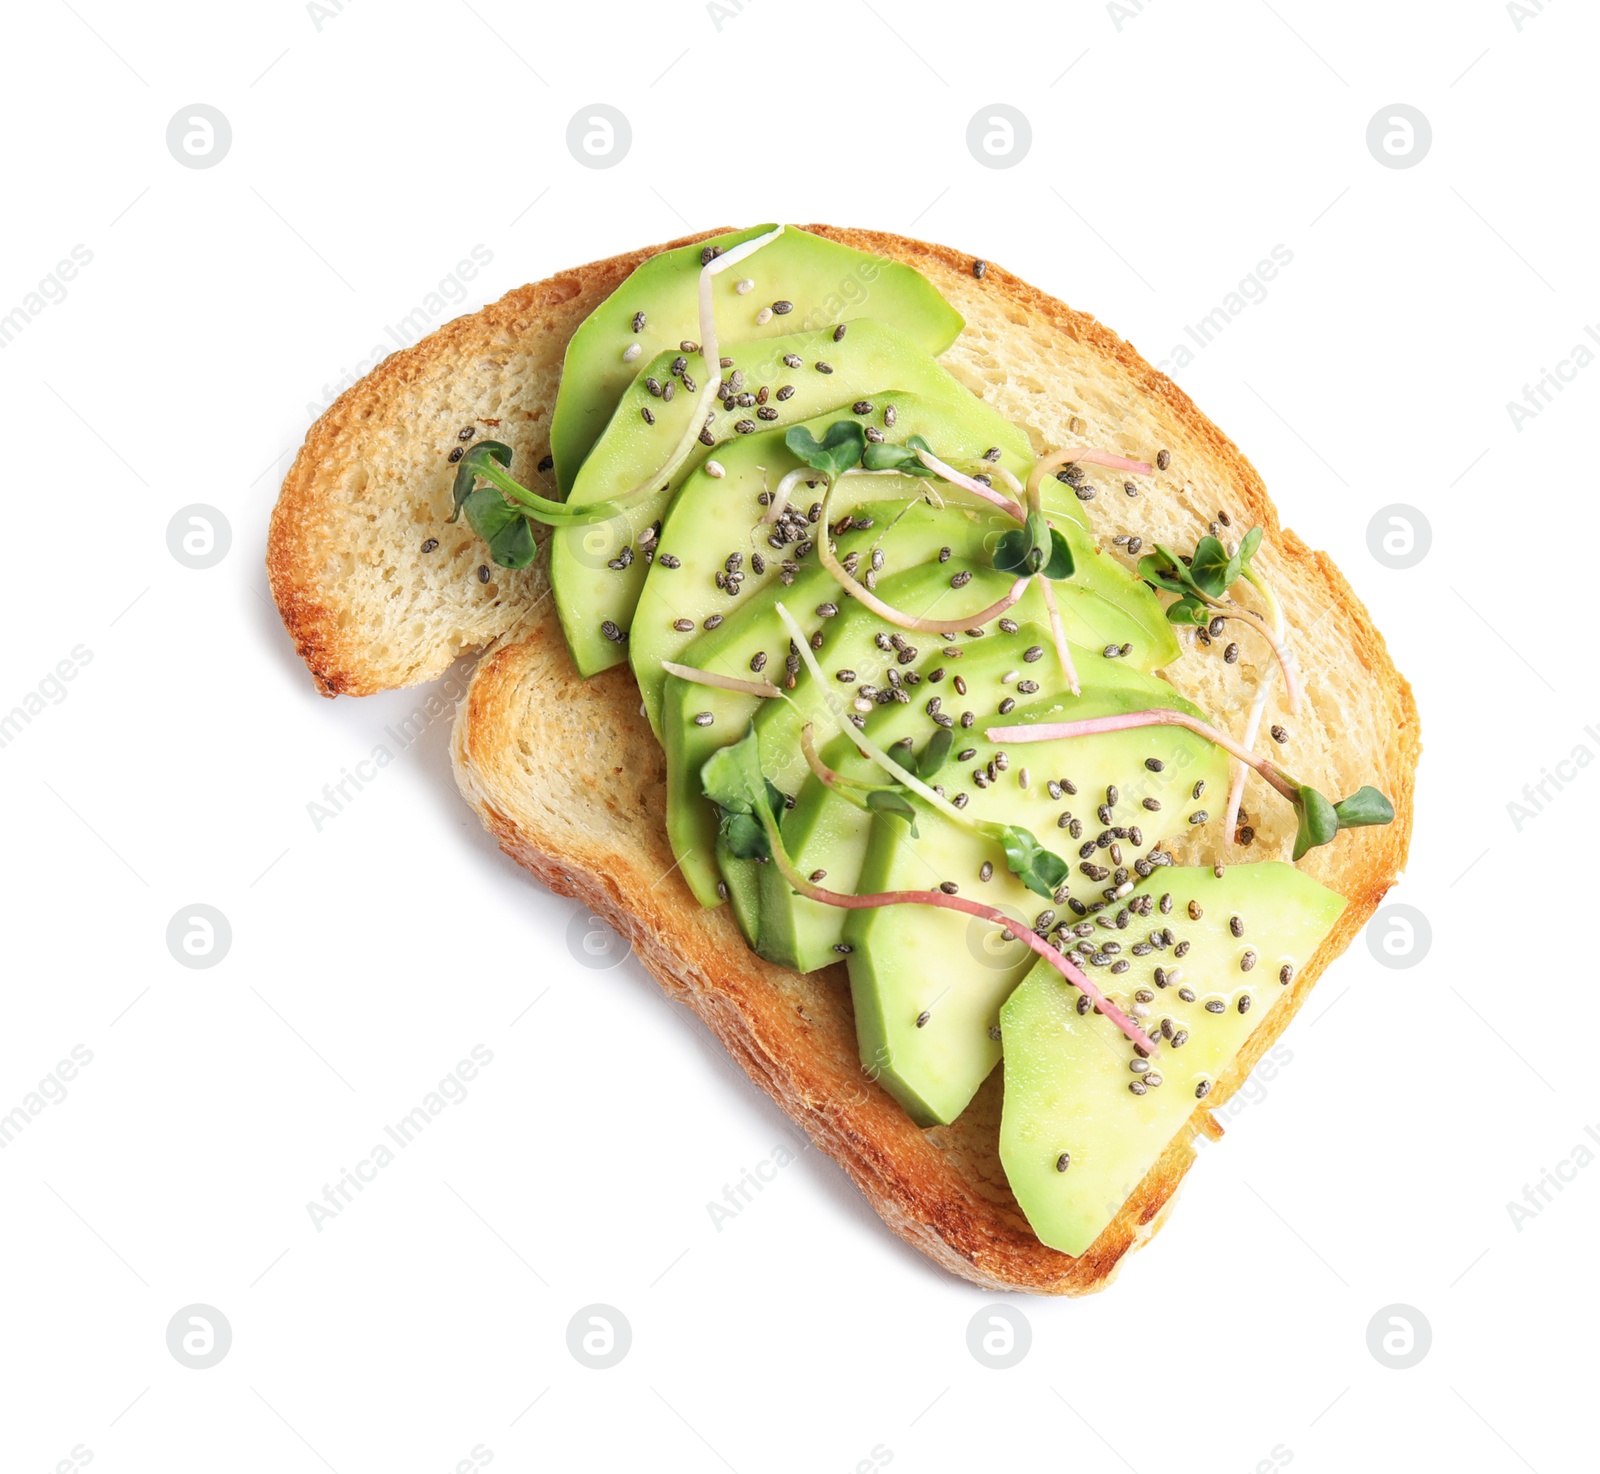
936	754
839	449
470	467
745	837
1060	564
1318	821
1247	548
1209	571
882	456
1365	806
502	526
1187	610
1041	870
893	801
901	752
1012	550
746	801
1164	569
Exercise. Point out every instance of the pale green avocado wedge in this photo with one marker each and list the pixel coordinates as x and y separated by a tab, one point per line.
825	831
1076	1135
928	984
597	569
715	528
696	720
824	284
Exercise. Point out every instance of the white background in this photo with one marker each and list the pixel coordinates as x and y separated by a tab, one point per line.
371	152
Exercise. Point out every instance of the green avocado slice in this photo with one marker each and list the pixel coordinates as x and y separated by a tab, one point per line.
826	283
715	523
824	830
1075	1140
953	972
598	569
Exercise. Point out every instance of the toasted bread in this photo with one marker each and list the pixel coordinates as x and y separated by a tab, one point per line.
566	775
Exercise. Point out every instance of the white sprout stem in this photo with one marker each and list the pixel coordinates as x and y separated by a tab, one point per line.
697	677
1258	706
1156	717
786	486
1086	455
1280	650
967	483
863	595
867	747
711	358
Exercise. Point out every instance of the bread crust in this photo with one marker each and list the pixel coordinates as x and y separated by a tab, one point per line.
593	826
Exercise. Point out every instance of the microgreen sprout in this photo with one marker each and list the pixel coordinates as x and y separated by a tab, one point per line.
1319	820
1202	583
500	513
748	806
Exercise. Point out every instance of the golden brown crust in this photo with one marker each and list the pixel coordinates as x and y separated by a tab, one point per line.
594	827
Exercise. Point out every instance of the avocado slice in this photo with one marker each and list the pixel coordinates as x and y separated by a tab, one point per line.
696	720
825	831
824	282
912	963
598	569
1075	1140
715	521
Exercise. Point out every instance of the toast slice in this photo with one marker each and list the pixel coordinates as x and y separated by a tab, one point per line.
369	612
